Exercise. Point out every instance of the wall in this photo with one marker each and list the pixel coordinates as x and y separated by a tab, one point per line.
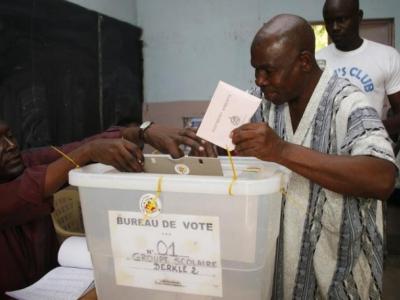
124	10
191	44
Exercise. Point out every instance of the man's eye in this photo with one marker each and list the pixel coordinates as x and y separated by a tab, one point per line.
264	71
267	71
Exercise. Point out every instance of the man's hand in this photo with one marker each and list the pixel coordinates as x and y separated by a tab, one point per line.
167	140
258	140
120	153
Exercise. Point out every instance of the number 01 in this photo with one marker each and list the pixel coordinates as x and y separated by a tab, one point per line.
164	249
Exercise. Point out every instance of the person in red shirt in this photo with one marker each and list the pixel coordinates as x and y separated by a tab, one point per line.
28	244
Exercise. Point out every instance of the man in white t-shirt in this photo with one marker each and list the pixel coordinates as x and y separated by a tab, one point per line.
373	67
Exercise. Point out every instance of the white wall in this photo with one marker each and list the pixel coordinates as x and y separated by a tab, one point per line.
124	10
191	44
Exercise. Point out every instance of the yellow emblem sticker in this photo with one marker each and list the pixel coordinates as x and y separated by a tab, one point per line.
150	205
182	169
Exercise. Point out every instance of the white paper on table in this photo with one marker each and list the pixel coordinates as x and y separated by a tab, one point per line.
229	108
74	253
69	282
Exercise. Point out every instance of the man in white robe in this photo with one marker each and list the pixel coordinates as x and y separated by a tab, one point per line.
324	130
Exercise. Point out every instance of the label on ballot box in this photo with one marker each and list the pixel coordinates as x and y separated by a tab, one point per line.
176	253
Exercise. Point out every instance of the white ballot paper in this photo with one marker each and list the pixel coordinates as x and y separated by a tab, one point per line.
229	108
70	281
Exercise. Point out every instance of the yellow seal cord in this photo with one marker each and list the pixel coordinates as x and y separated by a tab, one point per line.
283	190
153	201
159	186
290	199
66	156
234	176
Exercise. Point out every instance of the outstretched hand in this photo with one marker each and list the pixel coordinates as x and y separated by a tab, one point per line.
167	140
120	153
258	140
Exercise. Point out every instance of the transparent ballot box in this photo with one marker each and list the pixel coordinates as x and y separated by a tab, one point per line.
187	237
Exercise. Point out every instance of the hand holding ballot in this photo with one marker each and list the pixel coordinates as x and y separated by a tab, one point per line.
229	108
258	140
226	124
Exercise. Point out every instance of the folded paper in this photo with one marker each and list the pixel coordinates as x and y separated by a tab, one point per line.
229	108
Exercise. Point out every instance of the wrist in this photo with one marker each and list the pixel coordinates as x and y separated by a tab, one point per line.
131	134
85	152
282	152
144	131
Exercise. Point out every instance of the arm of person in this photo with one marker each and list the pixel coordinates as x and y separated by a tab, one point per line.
392	123
163	138
40	181
42	155
120	153
167	140
344	174
27	197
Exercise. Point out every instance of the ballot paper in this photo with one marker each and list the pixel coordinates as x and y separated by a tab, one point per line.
70	281
229	108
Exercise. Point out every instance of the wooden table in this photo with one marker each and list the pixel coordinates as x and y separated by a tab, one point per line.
90	296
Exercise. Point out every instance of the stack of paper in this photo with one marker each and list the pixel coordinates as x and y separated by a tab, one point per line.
70	281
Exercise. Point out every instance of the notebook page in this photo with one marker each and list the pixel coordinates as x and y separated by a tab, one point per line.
61	283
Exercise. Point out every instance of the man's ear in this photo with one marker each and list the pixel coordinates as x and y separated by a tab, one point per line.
360	16
306	60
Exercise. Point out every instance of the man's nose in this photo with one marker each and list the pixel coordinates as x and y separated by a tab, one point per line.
261	80
335	26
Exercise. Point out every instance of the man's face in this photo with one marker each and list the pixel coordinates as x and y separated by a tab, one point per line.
342	21
11	164
277	71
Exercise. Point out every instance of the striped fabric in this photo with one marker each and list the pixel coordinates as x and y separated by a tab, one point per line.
331	244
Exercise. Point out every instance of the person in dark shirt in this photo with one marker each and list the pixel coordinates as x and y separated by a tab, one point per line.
28	244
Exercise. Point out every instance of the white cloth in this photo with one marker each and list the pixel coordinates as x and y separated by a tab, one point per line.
332	243
373	67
